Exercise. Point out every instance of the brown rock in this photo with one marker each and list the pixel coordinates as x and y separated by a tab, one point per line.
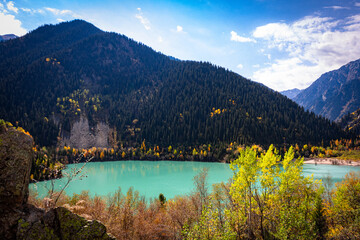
15	165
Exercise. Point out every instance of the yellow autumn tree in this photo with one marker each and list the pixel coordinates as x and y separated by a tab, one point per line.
143	146
102	155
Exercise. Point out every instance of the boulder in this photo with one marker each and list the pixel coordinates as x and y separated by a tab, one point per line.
59	223
15	164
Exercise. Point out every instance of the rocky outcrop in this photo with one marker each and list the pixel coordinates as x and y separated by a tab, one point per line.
15	165
58	223
82	136
19	220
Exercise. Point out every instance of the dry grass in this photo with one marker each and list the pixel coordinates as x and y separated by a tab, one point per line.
128	216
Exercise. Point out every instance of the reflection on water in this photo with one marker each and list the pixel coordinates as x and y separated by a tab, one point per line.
167	177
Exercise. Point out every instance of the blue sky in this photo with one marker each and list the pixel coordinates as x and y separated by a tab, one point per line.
281	43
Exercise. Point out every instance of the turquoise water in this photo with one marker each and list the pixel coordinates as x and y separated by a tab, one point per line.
167	177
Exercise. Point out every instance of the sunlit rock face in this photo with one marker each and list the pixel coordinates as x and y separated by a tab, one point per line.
84	136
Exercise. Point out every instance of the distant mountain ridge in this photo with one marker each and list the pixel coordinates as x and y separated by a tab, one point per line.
292	93
73	84
335	93
7	37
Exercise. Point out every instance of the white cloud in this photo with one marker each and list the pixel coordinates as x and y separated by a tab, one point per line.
240	66
9	24
256	66
353	19
59	12
312	46
2	9
357	4
143	20
26	10
179	28
11	7
337	7
273	30
160	39
287	74
236	38
60	20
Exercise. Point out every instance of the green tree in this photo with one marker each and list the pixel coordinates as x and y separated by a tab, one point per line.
209	226
296	201
273	200
345	212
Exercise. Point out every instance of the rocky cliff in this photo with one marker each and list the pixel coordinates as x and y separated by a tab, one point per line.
19	220
84	136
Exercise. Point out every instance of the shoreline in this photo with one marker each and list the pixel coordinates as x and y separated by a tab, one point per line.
331	161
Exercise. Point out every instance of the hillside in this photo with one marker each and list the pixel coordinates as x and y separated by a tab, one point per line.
74	84
351	122
335	93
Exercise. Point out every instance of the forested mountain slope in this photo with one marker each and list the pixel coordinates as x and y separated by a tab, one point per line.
69	81
335	93
351	122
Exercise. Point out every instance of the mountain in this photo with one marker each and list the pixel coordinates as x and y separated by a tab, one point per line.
73	84
7	37
292	93
335	93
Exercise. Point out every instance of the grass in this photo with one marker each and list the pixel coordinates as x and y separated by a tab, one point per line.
351	155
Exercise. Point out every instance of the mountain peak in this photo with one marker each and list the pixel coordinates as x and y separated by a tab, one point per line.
335	93
75	27
77	23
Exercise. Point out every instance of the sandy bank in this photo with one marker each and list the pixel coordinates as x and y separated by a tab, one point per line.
331	161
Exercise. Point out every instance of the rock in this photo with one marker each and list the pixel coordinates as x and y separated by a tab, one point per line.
15	165
82	136
59	223
19	220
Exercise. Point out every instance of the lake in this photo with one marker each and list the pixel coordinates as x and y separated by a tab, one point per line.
151	178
